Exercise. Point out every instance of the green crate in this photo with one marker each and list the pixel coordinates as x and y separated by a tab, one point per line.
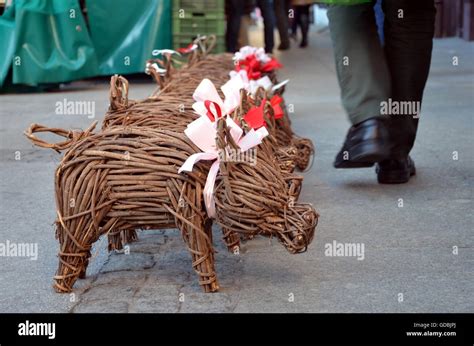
183	40
199	6
189	15
199	25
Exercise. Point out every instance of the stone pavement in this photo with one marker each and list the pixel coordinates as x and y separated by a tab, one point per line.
417	257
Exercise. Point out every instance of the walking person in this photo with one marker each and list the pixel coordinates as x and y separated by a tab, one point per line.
268	14
372	78
234	10
302	11
281	15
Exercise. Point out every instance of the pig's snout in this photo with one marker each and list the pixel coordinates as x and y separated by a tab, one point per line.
296	230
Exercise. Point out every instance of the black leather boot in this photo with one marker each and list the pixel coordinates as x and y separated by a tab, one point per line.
366	143
395	171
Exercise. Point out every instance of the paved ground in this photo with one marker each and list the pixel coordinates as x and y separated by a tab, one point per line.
408	264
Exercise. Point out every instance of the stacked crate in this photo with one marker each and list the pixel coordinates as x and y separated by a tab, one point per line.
193	18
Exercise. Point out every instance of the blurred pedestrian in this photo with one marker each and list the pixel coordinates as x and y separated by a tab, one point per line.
282	8
234	10
302	19
245	23
268	14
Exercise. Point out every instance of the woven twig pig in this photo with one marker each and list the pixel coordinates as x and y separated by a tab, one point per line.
126	178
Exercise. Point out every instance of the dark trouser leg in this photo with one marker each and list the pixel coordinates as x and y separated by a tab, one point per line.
266	6
304	24
361	67
409	30
282	21
295	21
236	9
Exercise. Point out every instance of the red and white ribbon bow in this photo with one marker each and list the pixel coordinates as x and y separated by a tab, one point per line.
188	49
255	62
202	132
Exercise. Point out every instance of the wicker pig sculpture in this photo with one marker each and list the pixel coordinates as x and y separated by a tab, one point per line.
126	178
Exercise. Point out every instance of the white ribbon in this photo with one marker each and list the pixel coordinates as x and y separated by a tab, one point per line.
149	66
157	52
202	132
206	91
251	85
246	51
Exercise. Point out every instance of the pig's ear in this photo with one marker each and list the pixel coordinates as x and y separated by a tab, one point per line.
118	93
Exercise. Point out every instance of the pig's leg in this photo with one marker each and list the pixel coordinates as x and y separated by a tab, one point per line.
231	240
199	241
74	253
198	237
80	217
196	229
82	274
119	238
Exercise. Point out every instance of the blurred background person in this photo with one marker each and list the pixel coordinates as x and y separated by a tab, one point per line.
246	22
302	19
268	15
234	10
282	8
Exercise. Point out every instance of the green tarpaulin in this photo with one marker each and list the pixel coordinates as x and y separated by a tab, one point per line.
48	41
7	42
124	32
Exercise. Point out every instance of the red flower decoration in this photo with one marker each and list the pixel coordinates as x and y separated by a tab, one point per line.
254	116
273	64
277	111
255	68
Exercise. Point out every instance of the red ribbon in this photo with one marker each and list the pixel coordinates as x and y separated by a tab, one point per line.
188	49
254	68
210	113
273	64
251	65
277	110
254	116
